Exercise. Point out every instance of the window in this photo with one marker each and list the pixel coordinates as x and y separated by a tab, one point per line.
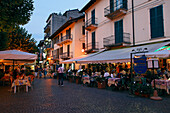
61	50
57	40
68	33
119	32
93	40
61	37
83	45
83	30
93	16
156	22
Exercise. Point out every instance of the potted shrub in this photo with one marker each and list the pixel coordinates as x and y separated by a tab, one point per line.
101	82
146	90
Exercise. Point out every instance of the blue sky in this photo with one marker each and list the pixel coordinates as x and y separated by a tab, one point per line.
43	8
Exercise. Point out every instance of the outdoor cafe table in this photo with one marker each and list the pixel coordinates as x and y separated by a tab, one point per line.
162	84
86	79
111	81
18	82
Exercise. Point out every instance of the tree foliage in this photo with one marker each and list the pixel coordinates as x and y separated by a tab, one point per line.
14	13
3	41
20	39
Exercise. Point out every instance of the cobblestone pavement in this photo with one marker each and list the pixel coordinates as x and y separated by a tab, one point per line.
48	97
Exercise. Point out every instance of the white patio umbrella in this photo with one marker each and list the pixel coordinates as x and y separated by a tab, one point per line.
15	56
159	54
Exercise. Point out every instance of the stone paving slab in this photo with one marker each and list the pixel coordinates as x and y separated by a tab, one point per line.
48	97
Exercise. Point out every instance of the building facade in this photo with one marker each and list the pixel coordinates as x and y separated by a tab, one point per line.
53	23
108	23
69	40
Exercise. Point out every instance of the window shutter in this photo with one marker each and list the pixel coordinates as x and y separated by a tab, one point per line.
156	22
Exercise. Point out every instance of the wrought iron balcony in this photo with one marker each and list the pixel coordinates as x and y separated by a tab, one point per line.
66	55
91	24
119	9
55	55
92	47
111	40
47	28
65	39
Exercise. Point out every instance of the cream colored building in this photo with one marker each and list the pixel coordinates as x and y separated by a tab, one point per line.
69	40
108	23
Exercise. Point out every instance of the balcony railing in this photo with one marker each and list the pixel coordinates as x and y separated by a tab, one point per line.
92	46
110	41
47	28
55	54
91	24
119	9
66	55
65	39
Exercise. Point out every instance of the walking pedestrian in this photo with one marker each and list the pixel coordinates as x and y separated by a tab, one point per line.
36	71
45	72
40	72
61	75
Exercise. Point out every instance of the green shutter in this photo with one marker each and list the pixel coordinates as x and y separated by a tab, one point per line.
93	40
111	6
156	22
119	32
125	4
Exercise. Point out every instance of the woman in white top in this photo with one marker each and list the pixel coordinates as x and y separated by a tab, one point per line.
113	74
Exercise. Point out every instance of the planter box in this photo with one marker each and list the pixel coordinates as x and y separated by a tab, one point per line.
70	80
137	93
102	85
145	95
78	81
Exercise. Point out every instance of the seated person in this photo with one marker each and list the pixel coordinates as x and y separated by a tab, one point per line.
106	74
164	77
113	74
7	74
21	77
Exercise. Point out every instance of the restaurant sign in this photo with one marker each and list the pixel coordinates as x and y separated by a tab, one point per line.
140	65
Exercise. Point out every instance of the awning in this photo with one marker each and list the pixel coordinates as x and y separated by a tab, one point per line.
159	54
119	55
76	59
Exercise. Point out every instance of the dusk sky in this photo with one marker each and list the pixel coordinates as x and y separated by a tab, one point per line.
43	8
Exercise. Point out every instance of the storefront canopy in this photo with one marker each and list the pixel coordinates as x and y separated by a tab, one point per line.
159	54
9	56
76	59
119	55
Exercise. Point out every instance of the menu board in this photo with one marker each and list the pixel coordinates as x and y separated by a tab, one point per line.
150	64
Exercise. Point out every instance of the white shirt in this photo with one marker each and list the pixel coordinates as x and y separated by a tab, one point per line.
60	70
106	74
113	75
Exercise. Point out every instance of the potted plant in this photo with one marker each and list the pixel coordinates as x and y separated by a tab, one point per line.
146	90
101	82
